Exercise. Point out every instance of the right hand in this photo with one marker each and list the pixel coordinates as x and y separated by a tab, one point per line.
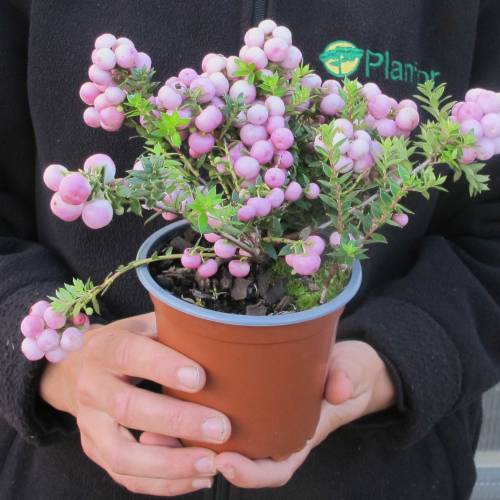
96	385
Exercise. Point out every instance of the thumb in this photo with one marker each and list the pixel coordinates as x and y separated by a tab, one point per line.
339	387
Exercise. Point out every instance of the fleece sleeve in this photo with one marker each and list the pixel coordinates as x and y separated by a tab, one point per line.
28	271
438	327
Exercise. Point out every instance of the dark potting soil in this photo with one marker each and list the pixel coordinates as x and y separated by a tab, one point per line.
259	294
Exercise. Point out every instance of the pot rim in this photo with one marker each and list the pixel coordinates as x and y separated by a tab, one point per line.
238	319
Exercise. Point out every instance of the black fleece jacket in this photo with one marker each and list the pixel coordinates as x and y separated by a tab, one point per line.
429	301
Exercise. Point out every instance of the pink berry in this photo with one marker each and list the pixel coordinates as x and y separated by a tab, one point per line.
363	164
289	258
101	102
407	103
169	98
262	205
335	239
331	87
497	145
111	119
255	56
386	127
91	117
239	268
201	143
187	75
491	125
104	58
485	149
306	264
276	197
63	210
293	192
331	105
72	339
215	64
81	319
275	177
100	76
30	349
282	138
283	159
206	87
74	189
276	49
274	123
246	213
292	59
209	119
358	149
344	127
168	216
143	60
221	84
315	244
205	60
208	268
123	41
32	325
53	175
56	355
88	93
344	164
190	260
283	33
469	156
250	134
100	160
125	56
224	249
97	214
407	119
115	95
246	167
275	106
48	340
400	219
254	37
469	110
105	40
257	114
262	151
175	84
312	191
235	151
363	136
472	126
231	67
370	90
244	89
380	106
311	81
211	237
38	308
489	102
53	319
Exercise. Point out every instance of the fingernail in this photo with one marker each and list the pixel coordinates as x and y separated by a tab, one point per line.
214	428
189	376
205	465
228	471
198	484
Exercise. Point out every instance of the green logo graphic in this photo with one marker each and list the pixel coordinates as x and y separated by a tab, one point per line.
343	58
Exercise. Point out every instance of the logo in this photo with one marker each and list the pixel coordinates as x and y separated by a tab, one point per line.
343	58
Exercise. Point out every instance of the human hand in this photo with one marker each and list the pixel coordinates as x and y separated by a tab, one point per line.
358	384
96	385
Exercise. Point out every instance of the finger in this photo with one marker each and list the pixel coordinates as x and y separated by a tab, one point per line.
147	486
246	473
144	410
148	438
121	454
130	354
339	387
143	324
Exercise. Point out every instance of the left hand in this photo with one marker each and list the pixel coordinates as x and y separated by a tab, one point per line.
358	384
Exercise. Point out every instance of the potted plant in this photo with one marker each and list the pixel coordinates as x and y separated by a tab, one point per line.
279	182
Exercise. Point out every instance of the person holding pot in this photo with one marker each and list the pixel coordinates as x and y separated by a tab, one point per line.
418	345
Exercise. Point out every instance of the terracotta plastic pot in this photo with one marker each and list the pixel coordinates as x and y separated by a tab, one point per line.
266	373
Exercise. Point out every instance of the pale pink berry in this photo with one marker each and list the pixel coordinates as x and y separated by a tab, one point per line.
311	81
274	123
246	167
115	95
125	56
81	319
400	219
293	58
63	210
48	340
267	26
123	41
407	103
201	143
344	164
101	102
489	102
235	151
472	126
363	164
246	213
469	156
143	60
38	308
91	117
293	192
208	268
174	83
335	239
468	111
276	49
379	106
215	64
211	237
254	37
363	136
72	339
106	40
100	160
104	58
250	134
331	87
169	98
169	216
205	60
74	189
100	76
370	90
231	67
306	264
331	105
289	258
88	93
262	151
56	355
53	175
190	260
358	149
407	119
312	191
205	86
276	197
111	119
32	325
283	159
187	75
209	119
282	138
491	125
275	177
315	244
485	149
30	349
239	268
262	205
244	89
255	56
97	214
214	222
221	84
53	319
386	127
497	145
275	106
257	114
284	33
224	249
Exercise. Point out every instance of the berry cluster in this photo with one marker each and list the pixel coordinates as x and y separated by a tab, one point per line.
49	333
73	194
112	60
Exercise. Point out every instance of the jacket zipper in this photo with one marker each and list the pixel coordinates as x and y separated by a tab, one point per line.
221	487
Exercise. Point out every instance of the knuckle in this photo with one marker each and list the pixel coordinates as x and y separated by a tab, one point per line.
123	353
120	405
115	460
83	390
93	345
